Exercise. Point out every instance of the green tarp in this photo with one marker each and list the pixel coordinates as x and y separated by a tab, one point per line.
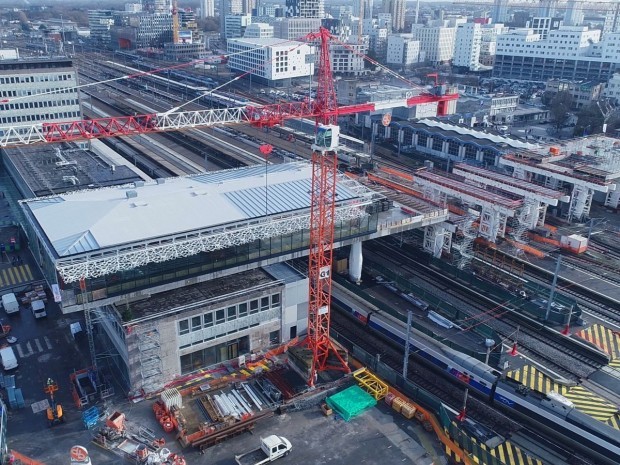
351	402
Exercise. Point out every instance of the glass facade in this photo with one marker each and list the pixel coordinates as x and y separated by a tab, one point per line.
155	274
216	354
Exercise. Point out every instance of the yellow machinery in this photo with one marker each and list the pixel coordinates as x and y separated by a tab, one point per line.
55	414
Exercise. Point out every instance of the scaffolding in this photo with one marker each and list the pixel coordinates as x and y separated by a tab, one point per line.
469	232
523	223
149	354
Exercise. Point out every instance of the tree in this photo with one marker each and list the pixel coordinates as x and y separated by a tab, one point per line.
559	108
590	120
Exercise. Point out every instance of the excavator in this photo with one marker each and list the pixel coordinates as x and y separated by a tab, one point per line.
55	414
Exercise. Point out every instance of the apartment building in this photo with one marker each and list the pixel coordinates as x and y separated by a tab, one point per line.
467	46
403	49
437	39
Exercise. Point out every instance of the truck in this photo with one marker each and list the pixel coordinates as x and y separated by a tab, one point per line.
38	309
9	303
271	448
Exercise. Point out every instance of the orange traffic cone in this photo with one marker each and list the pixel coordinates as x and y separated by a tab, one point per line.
513	352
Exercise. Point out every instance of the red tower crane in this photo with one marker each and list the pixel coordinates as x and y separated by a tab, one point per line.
324	109
322	212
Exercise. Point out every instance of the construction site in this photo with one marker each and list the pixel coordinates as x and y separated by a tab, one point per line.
207	298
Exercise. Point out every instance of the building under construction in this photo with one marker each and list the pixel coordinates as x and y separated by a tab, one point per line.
173	279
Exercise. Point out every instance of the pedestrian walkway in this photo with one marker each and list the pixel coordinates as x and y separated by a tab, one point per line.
505	453
584	400
15	275
36	346
606	338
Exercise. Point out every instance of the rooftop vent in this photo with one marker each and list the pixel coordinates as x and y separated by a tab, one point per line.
131	194
139	183
160	180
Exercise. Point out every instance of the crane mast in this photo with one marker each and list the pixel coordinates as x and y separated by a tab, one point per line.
322	222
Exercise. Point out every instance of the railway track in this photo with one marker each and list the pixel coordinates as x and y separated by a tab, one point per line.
600	305
566	362
450	393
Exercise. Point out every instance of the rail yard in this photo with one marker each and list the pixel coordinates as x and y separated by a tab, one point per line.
488	302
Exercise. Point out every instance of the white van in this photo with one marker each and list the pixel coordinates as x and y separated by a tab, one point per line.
9	302
8	359
38	308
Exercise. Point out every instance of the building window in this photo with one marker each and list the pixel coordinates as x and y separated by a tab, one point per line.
275	300
253	306
293	332
220	317
196	323
232	313
208	319
183	327
243	310
274	337
264	304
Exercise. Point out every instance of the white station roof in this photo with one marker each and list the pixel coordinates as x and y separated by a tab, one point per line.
91	220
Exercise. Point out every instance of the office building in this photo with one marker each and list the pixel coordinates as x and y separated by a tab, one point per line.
348	59
227	8
235	25
542	25
295	28
141	30
258	31
305	8
99	23
34	90
571	53
270	61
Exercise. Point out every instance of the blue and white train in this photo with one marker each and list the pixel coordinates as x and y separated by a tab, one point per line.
552	414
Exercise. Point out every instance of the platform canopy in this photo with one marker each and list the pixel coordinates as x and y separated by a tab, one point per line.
95	232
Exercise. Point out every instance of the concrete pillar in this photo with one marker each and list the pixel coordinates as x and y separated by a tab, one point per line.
479	155
461	152
434	240
490	223
429	142
355	262
542	215
580	202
